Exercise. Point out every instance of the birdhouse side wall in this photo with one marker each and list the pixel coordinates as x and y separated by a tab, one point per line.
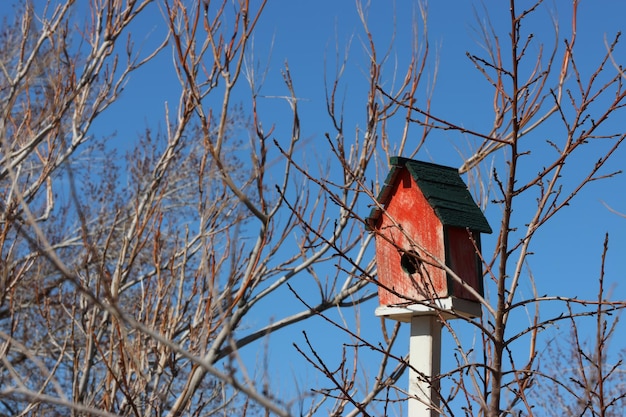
408	217
463	259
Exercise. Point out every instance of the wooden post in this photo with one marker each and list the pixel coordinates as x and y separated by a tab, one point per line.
425	364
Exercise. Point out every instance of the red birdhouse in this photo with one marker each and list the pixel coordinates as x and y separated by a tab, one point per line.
427	224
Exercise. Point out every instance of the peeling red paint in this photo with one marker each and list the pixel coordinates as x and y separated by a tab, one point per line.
409	223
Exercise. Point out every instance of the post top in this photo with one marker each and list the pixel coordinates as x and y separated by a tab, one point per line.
449	308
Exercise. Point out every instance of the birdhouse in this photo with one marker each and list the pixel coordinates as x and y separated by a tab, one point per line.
427	225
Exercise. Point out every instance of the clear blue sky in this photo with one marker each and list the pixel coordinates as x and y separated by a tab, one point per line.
305	33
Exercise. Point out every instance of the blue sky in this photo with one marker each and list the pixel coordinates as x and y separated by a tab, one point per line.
567	251
304	34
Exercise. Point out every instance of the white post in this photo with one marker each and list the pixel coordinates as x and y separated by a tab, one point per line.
424	361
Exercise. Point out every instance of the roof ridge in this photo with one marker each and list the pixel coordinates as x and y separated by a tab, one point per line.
444	189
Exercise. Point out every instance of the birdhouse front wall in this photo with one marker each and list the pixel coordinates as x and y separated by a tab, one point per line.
407	219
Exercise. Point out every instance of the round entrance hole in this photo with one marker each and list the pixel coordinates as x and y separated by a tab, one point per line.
410	263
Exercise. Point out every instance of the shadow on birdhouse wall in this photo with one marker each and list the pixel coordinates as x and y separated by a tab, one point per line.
426	217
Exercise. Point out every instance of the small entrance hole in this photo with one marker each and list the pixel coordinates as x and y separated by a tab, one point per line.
410	262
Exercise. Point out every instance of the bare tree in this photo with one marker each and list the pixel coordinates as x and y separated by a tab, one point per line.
585	377
131	280
127	282
532	93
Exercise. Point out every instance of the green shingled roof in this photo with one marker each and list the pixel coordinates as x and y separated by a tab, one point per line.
443	188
